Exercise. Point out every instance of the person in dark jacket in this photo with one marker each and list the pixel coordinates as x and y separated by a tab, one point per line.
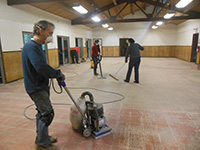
36	79
95	55
133	52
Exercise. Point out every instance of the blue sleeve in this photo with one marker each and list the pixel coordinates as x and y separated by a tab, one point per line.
127	53
141	47
38	61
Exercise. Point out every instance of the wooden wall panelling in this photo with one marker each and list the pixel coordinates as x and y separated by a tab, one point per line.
158	51
53	58
13	62
111	51
116	51
85	52
198	58
183	52
13	65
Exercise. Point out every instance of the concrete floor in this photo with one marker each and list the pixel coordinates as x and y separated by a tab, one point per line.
160	113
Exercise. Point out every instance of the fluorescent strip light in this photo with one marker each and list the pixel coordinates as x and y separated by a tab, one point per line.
154	27
80	9
169	15
183	3
110	28
96	19
105	25
159	23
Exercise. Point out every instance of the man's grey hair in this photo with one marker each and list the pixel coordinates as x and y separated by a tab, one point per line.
42	24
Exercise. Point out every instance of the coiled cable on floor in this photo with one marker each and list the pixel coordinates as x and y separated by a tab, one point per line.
59	92
34	104
108	102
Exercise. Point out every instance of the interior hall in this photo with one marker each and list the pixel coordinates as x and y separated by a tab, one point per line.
99	75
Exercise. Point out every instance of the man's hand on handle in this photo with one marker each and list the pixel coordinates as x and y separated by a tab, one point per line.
60	78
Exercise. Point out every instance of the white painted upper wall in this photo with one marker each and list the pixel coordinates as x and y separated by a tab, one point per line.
141	32
15	19
166	34
186	30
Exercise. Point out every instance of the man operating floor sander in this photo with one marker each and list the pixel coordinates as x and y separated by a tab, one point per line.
87	116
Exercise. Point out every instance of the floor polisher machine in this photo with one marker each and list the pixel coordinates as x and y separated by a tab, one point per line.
87	116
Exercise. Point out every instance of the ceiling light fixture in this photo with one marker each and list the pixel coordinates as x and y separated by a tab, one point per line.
169	15
80	9
154	27
159	23
183	3
105	25
96	19
110	28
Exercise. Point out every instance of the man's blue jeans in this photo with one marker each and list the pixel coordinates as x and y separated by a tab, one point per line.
95	60
136	63
44	107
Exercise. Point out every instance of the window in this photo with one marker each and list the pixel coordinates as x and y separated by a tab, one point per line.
27	37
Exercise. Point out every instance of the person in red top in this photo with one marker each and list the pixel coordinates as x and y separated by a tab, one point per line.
95	55
74	53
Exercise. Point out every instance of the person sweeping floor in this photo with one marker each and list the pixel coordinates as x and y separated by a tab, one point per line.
95	55
134	53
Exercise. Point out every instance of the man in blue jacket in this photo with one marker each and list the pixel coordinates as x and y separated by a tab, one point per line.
134	53
36	79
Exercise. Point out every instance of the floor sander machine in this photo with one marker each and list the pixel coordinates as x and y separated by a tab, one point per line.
87	117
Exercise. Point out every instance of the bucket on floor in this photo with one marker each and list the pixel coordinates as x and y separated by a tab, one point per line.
92	63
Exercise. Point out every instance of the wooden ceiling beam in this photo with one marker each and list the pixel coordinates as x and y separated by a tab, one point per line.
132	9
169	7
114	1
137	20
122	9
150	2
105	8
96	6
191	5
18	2
69	8
141	9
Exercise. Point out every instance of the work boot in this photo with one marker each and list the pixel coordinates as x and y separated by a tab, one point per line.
51	147
96	74
53	139
136	82
126	81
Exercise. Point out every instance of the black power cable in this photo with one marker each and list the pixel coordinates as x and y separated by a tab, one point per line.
52	83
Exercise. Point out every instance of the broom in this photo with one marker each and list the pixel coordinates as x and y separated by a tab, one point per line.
117	73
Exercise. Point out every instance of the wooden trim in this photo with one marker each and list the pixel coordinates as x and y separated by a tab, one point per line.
111	51
183	52
85	52
17	2
53	58
12	60
198	58
13	66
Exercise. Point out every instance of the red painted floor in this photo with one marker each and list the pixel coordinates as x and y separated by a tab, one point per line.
160	113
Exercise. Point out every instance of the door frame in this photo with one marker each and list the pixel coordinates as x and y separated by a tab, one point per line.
121	46
89	46
1	64
195	39
63	51
80	46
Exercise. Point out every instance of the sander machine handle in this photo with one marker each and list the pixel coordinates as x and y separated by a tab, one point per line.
63	84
